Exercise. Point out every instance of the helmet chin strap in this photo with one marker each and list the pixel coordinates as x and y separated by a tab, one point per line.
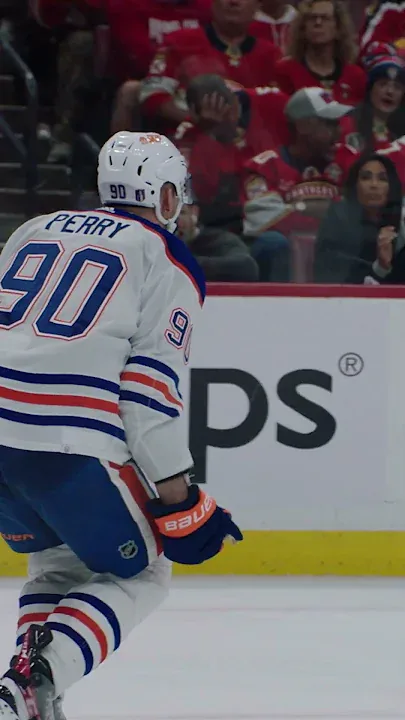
170	224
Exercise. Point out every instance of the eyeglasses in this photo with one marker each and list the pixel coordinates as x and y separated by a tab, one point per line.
314	18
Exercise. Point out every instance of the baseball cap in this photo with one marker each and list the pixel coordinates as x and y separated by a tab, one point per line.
314	102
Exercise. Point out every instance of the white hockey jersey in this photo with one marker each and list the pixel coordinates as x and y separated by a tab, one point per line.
96	314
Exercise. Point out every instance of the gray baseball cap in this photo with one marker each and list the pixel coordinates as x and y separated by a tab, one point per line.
314	102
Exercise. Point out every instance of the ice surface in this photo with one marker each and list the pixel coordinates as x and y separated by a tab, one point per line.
251	649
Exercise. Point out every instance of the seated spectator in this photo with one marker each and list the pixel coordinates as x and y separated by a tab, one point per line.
322	52
288	189
225	130
384	22
380	118
273	22
222	255
138	28
361	235
223	47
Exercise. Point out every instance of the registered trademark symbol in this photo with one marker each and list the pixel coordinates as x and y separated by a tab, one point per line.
351	364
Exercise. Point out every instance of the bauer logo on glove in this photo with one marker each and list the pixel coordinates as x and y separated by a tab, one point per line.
181	523
195	530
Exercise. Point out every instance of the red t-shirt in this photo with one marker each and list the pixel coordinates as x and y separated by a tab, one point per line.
347	87
275	191
188	53
138	27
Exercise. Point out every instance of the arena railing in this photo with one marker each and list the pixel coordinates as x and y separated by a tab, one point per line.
26	149
84	161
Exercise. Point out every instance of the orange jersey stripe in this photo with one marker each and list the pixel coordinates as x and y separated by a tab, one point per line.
61	400
152	383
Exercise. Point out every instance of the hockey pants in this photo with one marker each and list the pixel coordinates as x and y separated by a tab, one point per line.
95	568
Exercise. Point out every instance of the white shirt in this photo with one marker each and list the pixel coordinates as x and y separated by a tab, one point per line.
279	28
96	315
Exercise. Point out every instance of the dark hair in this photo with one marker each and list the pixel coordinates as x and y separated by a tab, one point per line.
206	85
391	213
364	115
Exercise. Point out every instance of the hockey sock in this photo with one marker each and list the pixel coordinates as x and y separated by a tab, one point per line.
91	621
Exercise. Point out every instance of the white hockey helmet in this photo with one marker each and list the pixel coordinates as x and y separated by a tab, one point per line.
133	167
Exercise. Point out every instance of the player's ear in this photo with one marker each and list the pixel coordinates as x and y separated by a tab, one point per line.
168	200
196	213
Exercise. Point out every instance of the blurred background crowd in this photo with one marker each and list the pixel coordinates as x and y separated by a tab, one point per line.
291	116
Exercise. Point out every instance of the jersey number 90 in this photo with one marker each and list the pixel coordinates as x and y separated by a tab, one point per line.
76	302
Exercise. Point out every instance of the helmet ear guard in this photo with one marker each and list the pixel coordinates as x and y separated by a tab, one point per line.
133	168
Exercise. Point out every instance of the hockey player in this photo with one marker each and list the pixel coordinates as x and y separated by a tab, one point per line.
96	315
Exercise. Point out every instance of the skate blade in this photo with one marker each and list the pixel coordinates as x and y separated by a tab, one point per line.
6	711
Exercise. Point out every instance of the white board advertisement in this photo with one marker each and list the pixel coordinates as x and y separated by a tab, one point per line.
289	411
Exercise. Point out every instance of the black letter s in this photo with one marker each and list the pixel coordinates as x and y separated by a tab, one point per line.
287	390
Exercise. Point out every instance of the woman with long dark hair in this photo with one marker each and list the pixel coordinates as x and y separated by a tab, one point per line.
361	237
380	118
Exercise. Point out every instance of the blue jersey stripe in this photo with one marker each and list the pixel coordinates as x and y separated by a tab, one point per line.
177	249
149	402
78	639
46	598
59	379
157	365
61	420
103	608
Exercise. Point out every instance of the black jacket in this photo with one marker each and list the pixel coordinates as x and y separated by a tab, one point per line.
223	256
346	248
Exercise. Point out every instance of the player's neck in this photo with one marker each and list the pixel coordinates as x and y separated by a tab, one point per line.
145	213
230	34
321	58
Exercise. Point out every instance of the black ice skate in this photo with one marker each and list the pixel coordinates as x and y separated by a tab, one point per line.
26	689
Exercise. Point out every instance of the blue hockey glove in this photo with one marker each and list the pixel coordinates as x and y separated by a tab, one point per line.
194	530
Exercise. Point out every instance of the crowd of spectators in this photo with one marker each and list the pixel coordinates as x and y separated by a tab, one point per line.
292	120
